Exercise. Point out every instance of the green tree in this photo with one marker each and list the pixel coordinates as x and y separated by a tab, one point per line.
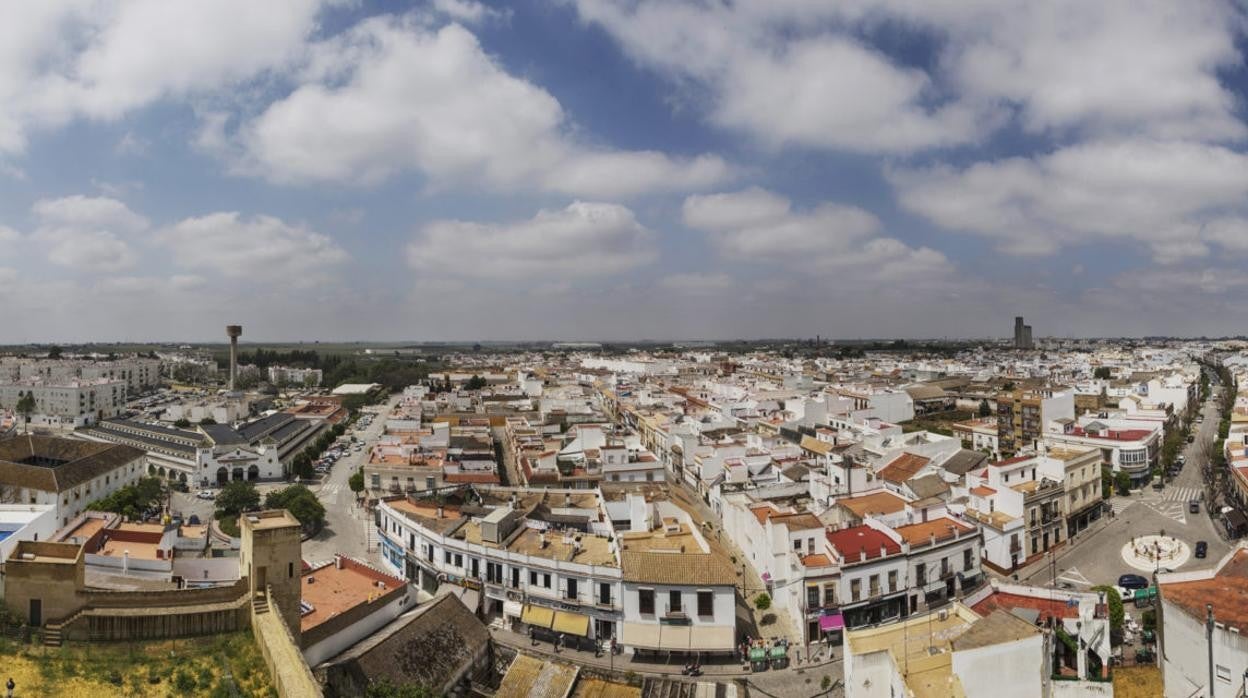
207	421
984	409
762	602
301	504
182	423
1122	482
26	407
356	481
1116	612
130	501
302	466
475	383
237	497
55	352
1101	373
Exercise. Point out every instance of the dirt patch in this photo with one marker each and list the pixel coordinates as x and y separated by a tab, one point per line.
1137	682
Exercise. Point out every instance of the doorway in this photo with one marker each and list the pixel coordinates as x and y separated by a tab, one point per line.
36	612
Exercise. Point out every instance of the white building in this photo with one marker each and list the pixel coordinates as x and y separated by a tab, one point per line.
569	562
286	375
1185	642
67	474
68	404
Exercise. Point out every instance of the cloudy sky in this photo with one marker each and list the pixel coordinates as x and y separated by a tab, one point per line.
613	169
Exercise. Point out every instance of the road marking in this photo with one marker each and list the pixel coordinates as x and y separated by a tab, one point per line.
1171	510
1073	576
1120	505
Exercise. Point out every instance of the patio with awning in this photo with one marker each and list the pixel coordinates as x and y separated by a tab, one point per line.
678	638
830	622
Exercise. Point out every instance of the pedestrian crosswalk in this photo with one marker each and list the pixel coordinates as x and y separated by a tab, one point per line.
1120	504
1181	494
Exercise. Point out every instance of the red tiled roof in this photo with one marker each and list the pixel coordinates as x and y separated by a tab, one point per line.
1011	461
982	491
1114	434
1227	590
852	542
942	528
1048	608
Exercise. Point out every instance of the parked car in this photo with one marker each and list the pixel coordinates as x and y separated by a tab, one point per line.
1202	548
206	494
1194	506
1132	581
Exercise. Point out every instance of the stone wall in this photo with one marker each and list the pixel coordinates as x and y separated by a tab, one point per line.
291	676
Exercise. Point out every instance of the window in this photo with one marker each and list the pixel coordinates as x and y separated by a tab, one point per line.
706	604
874	584
855	589
604	594
829	595
920	574
572	590
459	560
532	578
1224	673
968	560
797	545
892	581
673	601
545	581
290	570
645	601
812	596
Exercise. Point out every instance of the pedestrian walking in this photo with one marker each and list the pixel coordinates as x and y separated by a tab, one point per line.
532	636
10	686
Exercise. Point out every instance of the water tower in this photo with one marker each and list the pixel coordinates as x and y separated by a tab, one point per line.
233	332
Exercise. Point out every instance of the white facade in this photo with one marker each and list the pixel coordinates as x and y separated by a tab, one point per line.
70	404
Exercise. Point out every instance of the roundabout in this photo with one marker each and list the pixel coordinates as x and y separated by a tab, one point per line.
1152	552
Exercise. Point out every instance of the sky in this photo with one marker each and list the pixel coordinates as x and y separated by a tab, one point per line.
621	169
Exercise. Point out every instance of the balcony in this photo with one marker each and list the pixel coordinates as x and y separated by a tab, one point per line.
1016	547
946	573
677	613
607	602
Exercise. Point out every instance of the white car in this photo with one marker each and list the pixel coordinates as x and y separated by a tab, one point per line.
206	494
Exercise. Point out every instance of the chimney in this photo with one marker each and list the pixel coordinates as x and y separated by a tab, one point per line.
440	511
541	540
933	538
883	551
567	499
125	561
338	561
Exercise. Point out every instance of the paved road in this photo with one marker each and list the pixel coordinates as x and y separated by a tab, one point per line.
346	524
1096	557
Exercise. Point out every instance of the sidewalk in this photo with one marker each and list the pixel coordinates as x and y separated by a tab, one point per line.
1070	545
713	669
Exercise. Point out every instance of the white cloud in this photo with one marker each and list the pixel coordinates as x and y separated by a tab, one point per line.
8	236
64	60
796	72
756	224
88	234
469	11
584	240
390	95
1156	193
260	249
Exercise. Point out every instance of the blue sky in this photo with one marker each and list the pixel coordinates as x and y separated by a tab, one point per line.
613	169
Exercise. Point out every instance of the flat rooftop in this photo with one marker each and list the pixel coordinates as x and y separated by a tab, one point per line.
265	520
661	540
87	528
330	590
594	550
911	643
137	550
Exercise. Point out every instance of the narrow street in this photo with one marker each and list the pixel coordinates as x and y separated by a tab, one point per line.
346	524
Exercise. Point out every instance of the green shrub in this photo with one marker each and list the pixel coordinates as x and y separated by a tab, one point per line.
1116	611
762	602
